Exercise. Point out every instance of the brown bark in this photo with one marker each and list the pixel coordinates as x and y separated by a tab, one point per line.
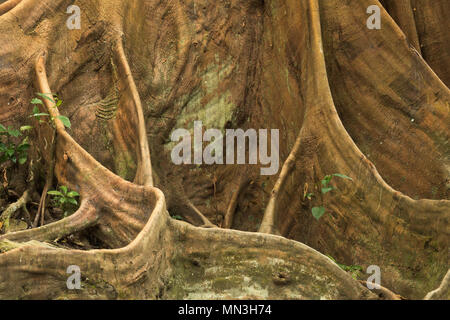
8	5
346	99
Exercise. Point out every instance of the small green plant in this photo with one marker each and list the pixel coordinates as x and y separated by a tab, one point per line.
176	217
325	187
38	114
17	153
354	270
65	200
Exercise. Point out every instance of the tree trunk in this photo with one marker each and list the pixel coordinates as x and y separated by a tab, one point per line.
370	104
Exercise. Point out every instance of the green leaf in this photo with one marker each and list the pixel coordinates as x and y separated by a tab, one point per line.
343	176
177	218
326	190
2	128
25	142
65	121
45	96
36	101
3	158
72	201
356	268
23	147
55	193
318	212
26	128
73	194
10	152
14	133
326	180
40	115
63	189
343	266
58	103
309	195
23	159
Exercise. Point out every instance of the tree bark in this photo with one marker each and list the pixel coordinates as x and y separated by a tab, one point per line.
370	104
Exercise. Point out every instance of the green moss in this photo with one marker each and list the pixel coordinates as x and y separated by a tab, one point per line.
125	165
209	104
226	283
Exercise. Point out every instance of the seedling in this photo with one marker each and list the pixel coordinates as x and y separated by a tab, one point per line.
65	200
10	151
325	187
38	114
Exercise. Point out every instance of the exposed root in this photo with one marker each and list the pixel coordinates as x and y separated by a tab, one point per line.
205	220
144	174
21	203
26	215
402	12
268	222
243	249
144	264
8	5
122	206
383	292
228	220
12	208
52	110
441	293
86	216
7	245
117	207
133	218
183	206
40	214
